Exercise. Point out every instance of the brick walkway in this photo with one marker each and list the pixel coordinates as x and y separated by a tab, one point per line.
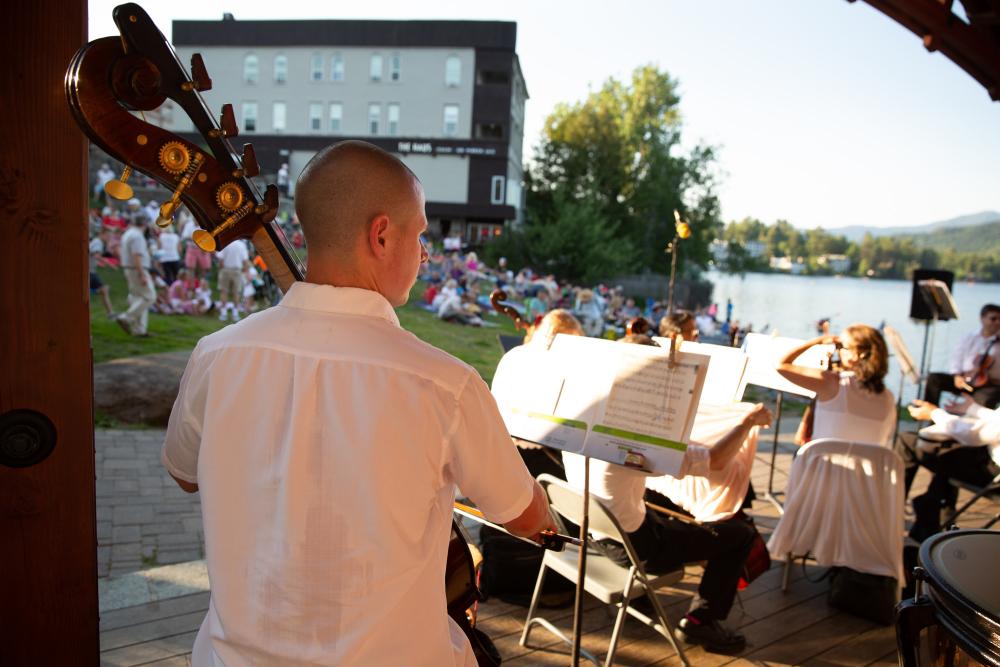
143	517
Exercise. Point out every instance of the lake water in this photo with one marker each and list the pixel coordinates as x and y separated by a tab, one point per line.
793	304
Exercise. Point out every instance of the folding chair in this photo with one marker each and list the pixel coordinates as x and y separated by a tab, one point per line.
609	582
844	505
991	491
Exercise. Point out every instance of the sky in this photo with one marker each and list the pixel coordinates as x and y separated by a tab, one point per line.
824	112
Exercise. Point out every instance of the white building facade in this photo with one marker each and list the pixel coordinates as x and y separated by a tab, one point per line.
446	96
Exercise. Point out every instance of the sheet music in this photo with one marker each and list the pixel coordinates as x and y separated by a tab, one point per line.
648	396
620	403
764	353
724	383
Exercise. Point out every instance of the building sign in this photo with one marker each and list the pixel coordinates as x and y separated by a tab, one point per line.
434	148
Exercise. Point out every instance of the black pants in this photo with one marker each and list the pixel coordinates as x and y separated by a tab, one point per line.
170	270
972	465
987	396
665	544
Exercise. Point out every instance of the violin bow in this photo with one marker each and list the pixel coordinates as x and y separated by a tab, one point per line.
550	539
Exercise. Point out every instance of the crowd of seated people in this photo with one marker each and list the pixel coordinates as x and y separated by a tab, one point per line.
180	271
457	285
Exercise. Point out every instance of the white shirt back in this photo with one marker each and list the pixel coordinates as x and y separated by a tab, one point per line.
133	242
234	255
327	443
856	414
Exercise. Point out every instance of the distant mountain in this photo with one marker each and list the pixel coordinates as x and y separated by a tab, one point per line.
857	232
975	238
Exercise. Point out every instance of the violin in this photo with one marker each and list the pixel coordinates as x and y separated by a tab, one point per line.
497	297
979	376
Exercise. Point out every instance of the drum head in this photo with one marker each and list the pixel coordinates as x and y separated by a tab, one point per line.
968	564
963	584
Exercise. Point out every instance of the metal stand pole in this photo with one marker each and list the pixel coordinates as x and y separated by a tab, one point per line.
899	404
769	496
923	359
581	565
673	270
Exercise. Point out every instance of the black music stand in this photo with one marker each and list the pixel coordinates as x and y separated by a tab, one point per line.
942	306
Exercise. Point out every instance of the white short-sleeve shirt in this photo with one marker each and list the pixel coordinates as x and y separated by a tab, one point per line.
327	443
234	255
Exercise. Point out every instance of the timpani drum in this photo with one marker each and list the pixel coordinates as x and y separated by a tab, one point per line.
954	619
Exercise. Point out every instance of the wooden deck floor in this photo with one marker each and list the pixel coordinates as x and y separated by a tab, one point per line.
796	627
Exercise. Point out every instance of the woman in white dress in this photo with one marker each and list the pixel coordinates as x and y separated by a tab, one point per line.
852	403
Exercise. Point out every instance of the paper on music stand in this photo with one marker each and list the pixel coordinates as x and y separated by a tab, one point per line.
724	381
764	352
938	298
620	403
906	365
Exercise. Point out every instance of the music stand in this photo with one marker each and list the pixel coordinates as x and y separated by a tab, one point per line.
939	301
763	352
907	369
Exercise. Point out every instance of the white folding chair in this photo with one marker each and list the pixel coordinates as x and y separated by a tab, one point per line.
843	505
609	582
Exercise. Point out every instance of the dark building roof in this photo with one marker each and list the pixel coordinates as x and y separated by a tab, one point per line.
500	35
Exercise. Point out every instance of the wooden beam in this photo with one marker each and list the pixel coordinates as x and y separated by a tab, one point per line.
48	557
974	48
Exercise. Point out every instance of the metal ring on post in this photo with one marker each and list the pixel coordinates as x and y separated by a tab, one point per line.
27	438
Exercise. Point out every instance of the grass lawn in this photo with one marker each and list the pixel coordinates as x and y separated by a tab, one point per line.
476	346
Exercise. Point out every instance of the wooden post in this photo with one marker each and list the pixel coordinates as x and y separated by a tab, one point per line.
48	551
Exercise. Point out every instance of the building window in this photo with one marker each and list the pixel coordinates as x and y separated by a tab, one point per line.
315	116
278	116
453	72
392	120
450	120
336	116
251	69
489	131
374	117
280	69
375	70
496	189
316	67
337	67
394	67
249	116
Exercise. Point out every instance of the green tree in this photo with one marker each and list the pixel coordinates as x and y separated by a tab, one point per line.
582	248
616	154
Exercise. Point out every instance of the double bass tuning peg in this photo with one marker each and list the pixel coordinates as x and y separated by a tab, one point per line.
249	161
227	122
119	187
199	75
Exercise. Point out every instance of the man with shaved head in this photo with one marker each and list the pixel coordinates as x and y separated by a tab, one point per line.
327	444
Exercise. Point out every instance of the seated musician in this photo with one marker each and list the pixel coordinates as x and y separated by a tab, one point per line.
974	368
853	403
327	443
666	543
538	458
963	443
680	323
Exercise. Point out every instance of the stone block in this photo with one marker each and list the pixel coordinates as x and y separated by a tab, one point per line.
121	553
121	534
168	556
124	515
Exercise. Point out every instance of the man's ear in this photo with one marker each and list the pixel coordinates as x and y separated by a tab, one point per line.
377	229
